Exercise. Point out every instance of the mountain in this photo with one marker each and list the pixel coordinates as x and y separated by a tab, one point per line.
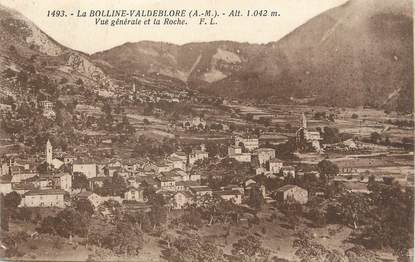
27	54
360	53
357	54
192	64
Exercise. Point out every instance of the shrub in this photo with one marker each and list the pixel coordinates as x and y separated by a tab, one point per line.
57	244
33	246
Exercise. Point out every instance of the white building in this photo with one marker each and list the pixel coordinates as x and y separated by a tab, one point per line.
93	198
291	193
176	162
49	156
307	139
275	166
181	199
44	198
248	142
63	181
88	169
197	155
195	122
230	195
265	155
288	171
244	157
5	187
134	194
234	150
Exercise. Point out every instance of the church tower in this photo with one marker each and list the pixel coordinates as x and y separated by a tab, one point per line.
304	120
49	152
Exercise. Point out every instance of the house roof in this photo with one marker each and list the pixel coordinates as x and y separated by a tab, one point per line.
45	192
187	194
161	164
99	178
34	178
114	168
288	168
174	159
83	162
264	149
180	153
200	188
18	169
187	183
199	152
179	172
232	186
228	193
61	174
131	188
23	186
165	179
84	194
170	174
287	187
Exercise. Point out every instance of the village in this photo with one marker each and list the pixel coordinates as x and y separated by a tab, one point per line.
278	134
183	160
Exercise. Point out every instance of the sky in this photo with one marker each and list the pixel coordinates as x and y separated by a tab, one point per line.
84	35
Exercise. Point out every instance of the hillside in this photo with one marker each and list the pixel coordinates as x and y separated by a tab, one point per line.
358	54
28	54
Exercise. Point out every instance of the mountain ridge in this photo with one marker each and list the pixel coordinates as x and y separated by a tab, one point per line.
357	54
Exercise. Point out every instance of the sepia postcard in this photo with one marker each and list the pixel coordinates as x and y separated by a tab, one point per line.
217	131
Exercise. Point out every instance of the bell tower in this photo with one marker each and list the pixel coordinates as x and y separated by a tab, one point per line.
304	121
48	152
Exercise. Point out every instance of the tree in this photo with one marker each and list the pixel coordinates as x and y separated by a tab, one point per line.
47	226
24	214
158	216
353	208
375	137
355	116
388	180
4	215
12	200
292	210
69	222
124	239
107	109
168	238
79	181
194	249
359	253
143	221
391	220
146	121
311	251
79	82
318	217
83	206
256	199
192	218
327	167
331	135
119	187
249	246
